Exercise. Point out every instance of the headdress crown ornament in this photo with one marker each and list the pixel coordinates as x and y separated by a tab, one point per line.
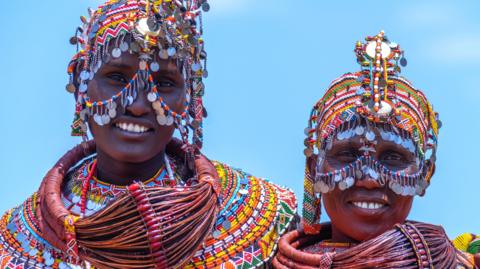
374	97
153	29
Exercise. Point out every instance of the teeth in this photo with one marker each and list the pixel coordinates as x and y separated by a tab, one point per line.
130	127
368	205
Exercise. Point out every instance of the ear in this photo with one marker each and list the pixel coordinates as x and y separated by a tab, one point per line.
312	165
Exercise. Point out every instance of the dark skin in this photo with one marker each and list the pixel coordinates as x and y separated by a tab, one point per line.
351	223
123	156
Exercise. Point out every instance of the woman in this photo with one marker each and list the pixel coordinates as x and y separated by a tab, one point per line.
371	148
133	197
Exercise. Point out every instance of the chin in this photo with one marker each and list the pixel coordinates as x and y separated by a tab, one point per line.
366	231
131	153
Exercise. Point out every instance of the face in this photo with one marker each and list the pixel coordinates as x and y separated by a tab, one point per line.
367	209
134	135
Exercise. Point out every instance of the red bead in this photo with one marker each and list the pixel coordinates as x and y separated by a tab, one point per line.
133	187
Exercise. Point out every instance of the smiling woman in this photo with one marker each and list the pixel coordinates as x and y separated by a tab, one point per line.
371	147
134	196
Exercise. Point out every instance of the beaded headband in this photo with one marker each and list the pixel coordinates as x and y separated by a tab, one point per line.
375	100
153	29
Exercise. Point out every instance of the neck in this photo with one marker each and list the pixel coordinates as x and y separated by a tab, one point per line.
339	237
123	173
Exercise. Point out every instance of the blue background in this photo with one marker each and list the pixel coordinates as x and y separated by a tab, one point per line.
269	61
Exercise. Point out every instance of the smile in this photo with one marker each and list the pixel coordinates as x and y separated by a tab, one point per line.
131	127
368	205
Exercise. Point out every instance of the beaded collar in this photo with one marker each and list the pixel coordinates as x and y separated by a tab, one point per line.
20	233
253	215
101	193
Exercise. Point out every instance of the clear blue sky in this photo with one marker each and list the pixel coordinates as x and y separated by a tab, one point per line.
269	61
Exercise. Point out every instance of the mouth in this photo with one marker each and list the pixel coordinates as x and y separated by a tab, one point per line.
368	205
133	128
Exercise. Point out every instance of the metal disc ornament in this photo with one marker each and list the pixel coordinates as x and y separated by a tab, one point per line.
154	67
162	120
152	97
116	52
171	51
124	46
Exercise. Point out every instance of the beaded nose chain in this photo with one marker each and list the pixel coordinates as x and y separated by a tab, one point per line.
105	110
155	30
405	182
356	104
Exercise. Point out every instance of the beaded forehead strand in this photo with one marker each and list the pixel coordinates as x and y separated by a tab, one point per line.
154	30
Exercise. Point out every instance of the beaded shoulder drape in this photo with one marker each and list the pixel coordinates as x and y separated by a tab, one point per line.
252	216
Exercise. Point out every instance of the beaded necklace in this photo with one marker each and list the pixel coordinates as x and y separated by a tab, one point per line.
86	194
20	232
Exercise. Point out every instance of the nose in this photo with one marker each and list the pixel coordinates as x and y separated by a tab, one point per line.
368	183
140	106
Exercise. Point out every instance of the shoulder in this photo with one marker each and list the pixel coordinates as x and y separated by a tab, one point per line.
254	214
468	245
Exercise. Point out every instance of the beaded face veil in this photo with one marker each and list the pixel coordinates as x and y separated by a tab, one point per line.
374	103
155	30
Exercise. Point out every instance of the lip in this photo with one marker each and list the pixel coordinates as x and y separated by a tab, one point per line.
369	196
132	135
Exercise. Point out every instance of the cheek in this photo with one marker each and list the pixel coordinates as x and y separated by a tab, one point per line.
175	100
332	205
401	208
93	90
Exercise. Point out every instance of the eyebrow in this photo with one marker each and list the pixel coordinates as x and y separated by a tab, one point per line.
119	65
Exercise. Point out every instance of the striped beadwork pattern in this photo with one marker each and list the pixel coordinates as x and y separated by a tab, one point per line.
254	214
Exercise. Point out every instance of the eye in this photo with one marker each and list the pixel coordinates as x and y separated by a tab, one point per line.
117	77
392	156
395	160
346	155
165	83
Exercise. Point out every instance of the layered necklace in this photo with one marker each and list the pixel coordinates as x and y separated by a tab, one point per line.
85	194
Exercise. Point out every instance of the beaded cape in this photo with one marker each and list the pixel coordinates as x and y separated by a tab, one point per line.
254	214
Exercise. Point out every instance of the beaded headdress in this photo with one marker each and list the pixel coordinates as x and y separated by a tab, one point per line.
355	104
153	29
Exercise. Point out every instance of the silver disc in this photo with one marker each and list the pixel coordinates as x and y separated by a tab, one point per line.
349	181
84	75
370	136
342	185
359	130
169	120
130	99
124	46
152	97
162	120
116	53
154	66
171	51
105	119
196	67
83	87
